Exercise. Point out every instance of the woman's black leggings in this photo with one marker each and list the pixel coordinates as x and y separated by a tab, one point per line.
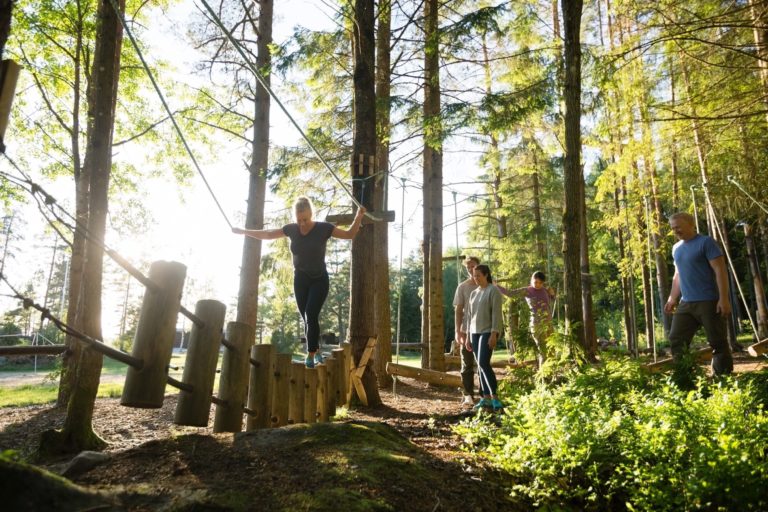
310	295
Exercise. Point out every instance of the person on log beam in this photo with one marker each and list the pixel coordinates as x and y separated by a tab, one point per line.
700	285
484	330
538	298
461	319
310	276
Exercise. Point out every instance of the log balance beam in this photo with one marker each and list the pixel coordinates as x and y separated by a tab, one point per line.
700	356
430	376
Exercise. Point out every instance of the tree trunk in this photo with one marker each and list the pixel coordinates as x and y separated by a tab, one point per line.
433	162
78	434
673	148
626	291
361	308
573	179
590	330
248	296
495	155
6	11
82	196
757	283
759	29
381	229
541	249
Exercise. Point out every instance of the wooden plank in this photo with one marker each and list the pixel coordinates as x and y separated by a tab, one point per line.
761	347
346	219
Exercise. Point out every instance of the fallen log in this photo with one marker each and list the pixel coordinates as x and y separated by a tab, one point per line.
430	376
700	356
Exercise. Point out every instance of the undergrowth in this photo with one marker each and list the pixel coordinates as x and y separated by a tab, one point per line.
611	437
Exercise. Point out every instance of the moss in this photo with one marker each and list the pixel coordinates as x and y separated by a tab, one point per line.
335	499
26	487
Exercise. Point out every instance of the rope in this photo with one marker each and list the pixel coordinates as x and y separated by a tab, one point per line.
96	344
263	82
168	110
730	263
738	185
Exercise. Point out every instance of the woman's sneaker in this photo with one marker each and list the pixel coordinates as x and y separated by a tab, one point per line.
319	358
496	404
309	362
484	403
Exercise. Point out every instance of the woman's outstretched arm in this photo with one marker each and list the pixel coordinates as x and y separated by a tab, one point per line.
260	234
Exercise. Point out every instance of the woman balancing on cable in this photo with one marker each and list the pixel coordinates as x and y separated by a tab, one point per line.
310	277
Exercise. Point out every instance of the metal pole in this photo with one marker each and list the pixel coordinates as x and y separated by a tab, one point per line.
695	209
456	229
399	286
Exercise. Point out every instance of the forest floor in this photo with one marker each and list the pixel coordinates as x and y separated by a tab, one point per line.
401	456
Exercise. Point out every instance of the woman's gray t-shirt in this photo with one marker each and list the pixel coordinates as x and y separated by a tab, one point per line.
309	250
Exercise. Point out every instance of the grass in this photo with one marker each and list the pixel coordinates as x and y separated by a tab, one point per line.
36	394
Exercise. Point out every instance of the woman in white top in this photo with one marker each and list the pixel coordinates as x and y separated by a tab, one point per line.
485	329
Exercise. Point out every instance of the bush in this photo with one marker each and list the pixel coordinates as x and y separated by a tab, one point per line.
613	438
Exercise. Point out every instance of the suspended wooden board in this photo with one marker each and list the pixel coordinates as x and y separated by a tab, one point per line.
346	219
761	347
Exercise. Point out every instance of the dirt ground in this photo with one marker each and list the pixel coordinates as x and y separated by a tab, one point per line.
150	457
156	465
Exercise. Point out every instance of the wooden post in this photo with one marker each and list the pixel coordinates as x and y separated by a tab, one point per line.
349	365
322	394
260	387
233	383
281	375
193	408
155	332
296	393
430	376
310	395
331	383
356	374
341	376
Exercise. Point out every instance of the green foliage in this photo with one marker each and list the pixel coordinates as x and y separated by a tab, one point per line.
612	438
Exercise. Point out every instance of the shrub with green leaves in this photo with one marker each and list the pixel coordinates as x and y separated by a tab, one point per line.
613	438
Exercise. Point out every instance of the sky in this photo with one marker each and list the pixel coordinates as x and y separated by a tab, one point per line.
187	224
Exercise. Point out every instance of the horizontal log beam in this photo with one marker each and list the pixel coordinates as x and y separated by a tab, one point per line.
430	376
32	350
700	356
345	219
761	347
501	363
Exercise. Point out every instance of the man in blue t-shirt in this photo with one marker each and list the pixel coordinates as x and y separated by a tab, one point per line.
700	285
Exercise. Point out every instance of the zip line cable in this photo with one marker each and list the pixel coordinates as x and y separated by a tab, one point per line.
262	81
168	110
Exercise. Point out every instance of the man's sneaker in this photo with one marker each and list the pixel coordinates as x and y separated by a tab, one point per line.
496	404
484	403
467	402
309	362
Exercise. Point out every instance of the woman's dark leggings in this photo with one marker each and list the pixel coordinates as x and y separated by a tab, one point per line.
483	353
310	295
